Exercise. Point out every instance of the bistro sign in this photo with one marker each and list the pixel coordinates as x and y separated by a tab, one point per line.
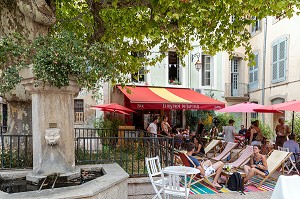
171	106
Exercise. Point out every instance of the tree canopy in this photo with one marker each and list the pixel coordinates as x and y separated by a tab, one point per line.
96	40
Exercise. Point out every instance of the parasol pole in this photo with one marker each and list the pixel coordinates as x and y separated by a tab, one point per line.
293	123
246	120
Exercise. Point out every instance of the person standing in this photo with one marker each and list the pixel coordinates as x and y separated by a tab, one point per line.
282	131
200	128
152	128
229	131
165	126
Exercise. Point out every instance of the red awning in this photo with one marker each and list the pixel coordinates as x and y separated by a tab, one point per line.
144	97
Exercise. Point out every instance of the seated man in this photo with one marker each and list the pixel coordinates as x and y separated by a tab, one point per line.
292	145
206	167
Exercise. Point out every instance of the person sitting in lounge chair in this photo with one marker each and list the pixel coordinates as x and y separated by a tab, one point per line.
199	148
258	165
206	167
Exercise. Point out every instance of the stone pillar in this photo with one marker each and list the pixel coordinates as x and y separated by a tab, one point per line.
52	107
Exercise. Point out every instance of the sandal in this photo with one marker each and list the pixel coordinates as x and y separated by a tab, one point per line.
218	187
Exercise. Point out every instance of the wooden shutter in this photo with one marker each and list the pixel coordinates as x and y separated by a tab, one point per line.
279	60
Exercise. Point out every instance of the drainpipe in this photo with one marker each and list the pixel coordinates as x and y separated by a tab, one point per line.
264	66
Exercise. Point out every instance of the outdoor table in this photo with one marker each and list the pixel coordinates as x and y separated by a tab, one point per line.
188	170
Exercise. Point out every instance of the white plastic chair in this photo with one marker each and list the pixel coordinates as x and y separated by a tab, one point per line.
171	186
290	163
154	170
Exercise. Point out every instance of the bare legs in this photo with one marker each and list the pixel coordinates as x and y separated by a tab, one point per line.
250	172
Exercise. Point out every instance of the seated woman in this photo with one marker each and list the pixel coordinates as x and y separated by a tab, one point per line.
199	148
258	164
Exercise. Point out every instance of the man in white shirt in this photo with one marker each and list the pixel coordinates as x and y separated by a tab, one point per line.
152	128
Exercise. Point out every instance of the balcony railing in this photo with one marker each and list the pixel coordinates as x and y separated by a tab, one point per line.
236	90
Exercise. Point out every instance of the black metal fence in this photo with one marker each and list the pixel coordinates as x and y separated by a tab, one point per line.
16	151
93	146
129	149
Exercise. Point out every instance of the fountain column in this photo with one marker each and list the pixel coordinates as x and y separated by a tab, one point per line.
52	108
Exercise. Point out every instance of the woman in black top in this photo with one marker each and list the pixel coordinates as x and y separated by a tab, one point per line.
199	148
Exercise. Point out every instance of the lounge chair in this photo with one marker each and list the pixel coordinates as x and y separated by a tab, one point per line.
274	161
186	162
212	145
290	164
227	150
243	157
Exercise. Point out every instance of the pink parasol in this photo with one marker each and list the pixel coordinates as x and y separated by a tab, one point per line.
285	106
246	107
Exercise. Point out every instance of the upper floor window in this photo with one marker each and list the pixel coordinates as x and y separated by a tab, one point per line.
279	60
173	63
78	110
206	70
255	26
253	74
140	75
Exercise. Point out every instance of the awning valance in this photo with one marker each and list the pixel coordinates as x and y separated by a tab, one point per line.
146	97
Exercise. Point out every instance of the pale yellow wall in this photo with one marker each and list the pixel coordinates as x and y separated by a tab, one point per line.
288	89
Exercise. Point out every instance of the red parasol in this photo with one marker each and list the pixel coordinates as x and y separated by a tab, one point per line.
113	107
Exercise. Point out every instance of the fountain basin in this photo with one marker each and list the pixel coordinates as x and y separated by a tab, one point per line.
113	184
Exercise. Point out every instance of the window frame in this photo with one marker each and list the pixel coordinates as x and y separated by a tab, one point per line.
252	70
81	119
176	64
256	25
205	71
277	43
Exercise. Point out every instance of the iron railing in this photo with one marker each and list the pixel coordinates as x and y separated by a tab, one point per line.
16	151
128	150
236	90
93	146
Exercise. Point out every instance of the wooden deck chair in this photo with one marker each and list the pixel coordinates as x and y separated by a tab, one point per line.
186	162
243	157
226	151
212	145
274	161
290	164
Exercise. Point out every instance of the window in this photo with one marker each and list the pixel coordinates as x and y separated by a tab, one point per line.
78	110
173	68
253	74
255	26
140	75
279	58
254	115
206	70
234	76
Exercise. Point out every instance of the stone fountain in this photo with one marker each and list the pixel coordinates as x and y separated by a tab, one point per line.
52	130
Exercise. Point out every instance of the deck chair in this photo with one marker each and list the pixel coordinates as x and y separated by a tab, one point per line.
212	145
226	151
172	186
290	164
243	157
274	161
186	162
154	170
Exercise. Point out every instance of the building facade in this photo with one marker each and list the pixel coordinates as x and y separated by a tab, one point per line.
275	76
